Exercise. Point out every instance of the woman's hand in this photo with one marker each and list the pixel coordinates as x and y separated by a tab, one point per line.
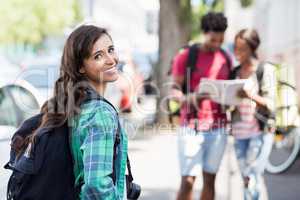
176	93
243	93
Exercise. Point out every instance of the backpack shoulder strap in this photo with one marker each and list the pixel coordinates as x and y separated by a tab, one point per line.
259	75
233	74
190	65
192	56
260	72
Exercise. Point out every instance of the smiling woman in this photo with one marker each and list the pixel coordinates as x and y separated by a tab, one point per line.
97	141
90	60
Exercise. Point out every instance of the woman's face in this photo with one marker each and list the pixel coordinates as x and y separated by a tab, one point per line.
101	66
242	50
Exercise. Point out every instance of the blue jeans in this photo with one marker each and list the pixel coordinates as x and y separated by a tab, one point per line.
252	154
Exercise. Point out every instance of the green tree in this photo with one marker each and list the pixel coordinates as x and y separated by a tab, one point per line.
175	18
246	3
29	21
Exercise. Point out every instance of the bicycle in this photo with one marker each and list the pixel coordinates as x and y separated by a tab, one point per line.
286	146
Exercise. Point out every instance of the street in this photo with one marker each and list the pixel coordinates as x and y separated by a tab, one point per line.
285	185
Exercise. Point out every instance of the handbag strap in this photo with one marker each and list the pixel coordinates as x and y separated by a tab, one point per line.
129	170
118	139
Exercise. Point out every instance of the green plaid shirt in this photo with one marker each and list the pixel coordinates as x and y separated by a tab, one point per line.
92	143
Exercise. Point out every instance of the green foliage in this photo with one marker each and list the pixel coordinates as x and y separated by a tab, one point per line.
201	10
29	21
186	14
246	3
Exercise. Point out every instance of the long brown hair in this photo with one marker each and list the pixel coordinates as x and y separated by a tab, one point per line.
69	89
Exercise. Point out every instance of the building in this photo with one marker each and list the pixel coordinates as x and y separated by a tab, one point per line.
133	24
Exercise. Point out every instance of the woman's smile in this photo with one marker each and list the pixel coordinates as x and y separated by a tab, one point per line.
111	70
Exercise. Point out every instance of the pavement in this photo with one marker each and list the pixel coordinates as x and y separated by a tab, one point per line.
155	166
285	185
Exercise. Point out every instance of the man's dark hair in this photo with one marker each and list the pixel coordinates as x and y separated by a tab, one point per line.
215	22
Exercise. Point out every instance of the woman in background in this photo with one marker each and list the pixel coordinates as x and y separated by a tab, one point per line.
249	126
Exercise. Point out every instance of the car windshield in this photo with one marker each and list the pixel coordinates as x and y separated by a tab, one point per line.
25	101
7	106
41	77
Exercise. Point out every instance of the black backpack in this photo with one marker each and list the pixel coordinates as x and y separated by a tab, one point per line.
190	67
47	174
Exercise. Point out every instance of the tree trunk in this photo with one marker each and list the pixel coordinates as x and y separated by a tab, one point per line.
174	32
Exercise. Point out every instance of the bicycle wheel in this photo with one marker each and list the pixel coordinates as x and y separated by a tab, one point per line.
284	151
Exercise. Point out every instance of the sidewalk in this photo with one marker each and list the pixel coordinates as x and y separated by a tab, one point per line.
155	167
155	163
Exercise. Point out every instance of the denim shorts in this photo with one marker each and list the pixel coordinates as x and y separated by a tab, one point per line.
200	150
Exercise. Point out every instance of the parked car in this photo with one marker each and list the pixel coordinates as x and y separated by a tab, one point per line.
18	101
41	72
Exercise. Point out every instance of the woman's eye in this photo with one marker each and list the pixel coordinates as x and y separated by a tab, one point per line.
111	50
98	56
